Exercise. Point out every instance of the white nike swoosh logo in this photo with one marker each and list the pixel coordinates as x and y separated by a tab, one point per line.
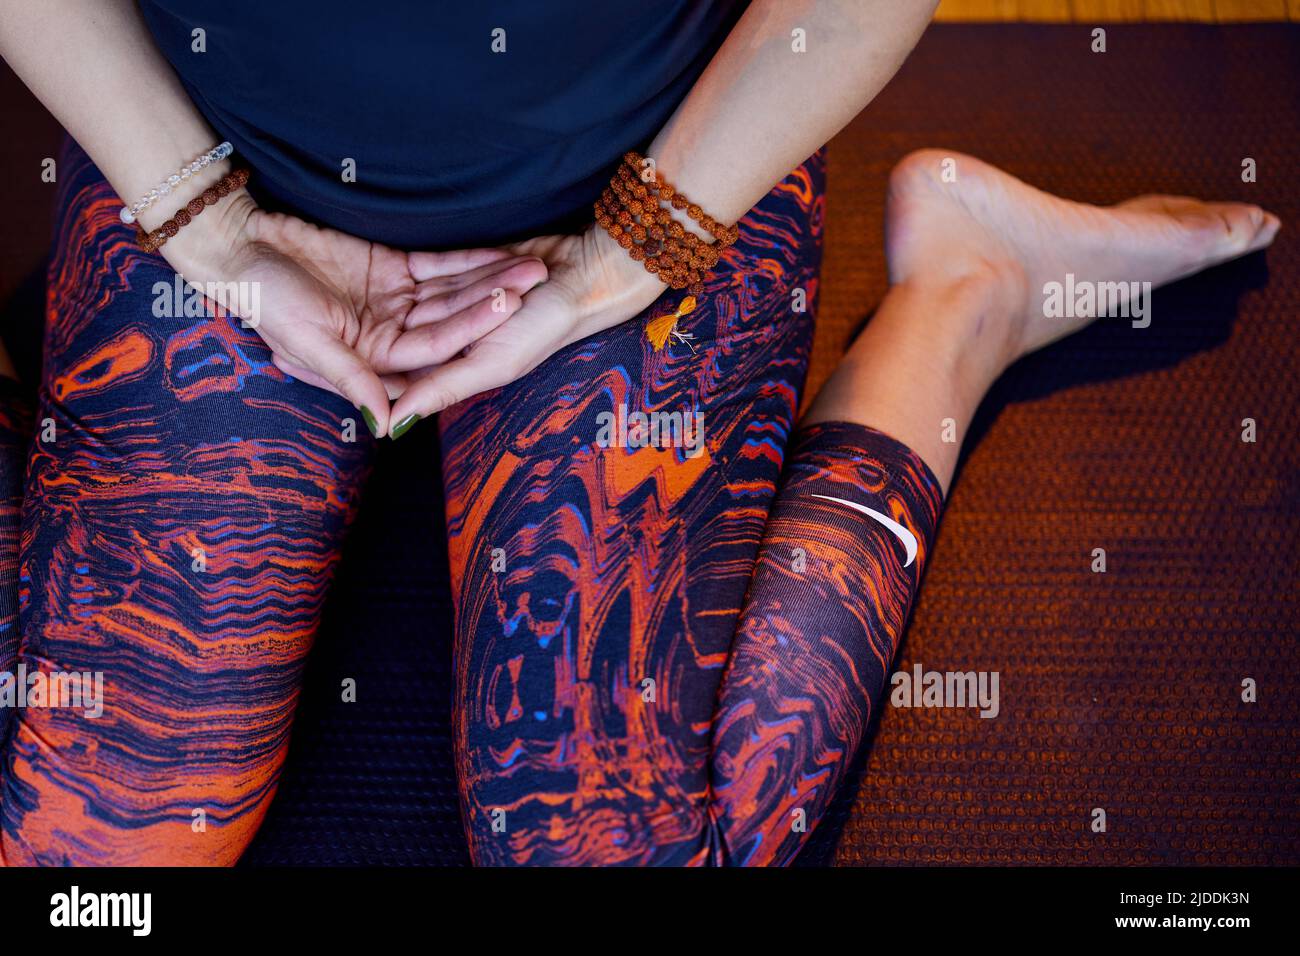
905	536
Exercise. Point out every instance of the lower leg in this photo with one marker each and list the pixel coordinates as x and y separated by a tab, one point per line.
900	381
833	586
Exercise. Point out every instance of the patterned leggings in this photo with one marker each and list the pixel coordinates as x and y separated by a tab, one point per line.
664	654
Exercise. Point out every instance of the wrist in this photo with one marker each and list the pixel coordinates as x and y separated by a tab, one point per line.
204	245
621	283
165	206
204	249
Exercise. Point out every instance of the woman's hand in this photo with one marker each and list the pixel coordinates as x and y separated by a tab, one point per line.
592	284
345	314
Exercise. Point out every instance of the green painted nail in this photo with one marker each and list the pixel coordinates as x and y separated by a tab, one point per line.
404	426
371	422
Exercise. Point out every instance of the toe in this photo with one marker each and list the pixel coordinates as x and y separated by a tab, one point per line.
1267	232
1238	224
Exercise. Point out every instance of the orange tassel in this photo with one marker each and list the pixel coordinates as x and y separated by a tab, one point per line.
660	329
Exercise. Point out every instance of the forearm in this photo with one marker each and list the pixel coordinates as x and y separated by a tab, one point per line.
96	68
761	108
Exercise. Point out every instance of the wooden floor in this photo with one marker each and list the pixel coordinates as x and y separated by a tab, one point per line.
1101	11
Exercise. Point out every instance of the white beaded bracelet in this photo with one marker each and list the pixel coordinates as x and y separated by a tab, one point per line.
214	155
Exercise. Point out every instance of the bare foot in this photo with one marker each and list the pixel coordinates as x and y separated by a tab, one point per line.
968	263
1005	238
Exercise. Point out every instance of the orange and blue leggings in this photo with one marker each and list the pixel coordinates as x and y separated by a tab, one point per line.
664	655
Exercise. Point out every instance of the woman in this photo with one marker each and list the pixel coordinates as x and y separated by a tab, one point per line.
663	655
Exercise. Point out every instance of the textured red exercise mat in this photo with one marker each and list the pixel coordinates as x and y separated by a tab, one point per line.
1120	691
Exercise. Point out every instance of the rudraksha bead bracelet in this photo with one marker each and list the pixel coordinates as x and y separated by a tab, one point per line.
153	241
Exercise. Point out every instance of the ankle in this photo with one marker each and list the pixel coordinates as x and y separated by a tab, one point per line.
967	319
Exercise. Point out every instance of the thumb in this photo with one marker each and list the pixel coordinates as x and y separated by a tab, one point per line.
351	377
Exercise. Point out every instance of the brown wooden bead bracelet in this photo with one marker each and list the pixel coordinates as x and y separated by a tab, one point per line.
155	240
634	214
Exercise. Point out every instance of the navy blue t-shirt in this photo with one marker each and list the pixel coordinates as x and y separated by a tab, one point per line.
453	144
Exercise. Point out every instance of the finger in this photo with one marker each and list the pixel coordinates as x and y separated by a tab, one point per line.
532	271
540	246
427	265
445	385
302	373
394	384
517	279
349	376
433	343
